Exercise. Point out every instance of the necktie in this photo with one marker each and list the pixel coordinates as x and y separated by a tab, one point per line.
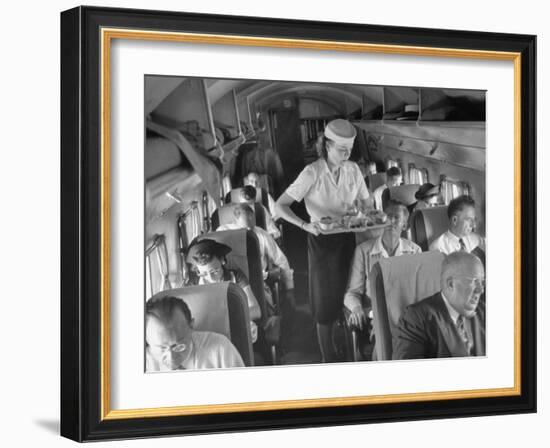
462	245
461	327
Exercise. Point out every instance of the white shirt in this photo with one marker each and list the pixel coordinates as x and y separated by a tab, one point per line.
271	254
322	195
378	196
448	242
364	258
210	351
452	312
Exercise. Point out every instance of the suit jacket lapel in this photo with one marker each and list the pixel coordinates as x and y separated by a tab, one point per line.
448	330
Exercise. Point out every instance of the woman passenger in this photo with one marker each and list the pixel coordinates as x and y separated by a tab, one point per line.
426	197
209	264
330	186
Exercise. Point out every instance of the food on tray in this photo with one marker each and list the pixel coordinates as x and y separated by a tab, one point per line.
369	218
375	217
326	223
357	222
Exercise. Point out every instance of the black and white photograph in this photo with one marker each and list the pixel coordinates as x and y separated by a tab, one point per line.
274	223
308	223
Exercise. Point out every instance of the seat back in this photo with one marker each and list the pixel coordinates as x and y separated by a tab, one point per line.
396	283
375	180
221	308
245	255
427	224
234	197
404	193
224	215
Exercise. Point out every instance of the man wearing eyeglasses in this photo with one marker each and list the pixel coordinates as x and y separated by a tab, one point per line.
173	344
450	323
460	235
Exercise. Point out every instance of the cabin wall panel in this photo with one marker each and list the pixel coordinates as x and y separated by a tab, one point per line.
436	168
161	214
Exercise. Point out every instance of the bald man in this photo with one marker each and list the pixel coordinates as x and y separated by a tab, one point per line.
173	343
450	323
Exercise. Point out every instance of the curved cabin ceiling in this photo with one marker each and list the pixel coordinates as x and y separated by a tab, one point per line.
263	93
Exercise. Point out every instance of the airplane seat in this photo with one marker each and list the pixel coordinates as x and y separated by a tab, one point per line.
348	343
427	224
221	308
235	197
375	180
397	282
224	215
402	193
245	255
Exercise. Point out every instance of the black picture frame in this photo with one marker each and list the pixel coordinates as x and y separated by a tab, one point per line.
81	224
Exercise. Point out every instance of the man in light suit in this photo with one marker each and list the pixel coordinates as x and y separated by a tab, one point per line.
450	323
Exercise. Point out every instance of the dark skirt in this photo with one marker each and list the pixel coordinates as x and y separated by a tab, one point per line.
329	260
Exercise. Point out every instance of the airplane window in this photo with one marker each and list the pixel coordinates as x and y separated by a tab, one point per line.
451	189
391	163
156	265
371	168
417	175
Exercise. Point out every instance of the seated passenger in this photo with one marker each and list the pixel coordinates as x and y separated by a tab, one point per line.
450	323
389	244
426	197
460	236
253	179
173	344
394	178
208	260
248	195
271	254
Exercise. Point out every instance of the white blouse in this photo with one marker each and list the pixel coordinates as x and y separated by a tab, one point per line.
322	195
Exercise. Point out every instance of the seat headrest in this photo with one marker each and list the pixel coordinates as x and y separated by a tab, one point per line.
235	195
237	241
225	214
427	224
408	279
208	305
404	193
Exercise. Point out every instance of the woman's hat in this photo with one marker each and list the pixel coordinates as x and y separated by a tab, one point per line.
340	131
427	190
207	247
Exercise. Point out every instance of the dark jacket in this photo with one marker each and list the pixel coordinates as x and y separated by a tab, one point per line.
426	330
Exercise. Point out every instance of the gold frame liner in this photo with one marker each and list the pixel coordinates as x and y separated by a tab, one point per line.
107	35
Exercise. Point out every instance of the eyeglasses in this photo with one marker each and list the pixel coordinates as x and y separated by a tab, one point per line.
474	281
212	273
342	149
176	348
